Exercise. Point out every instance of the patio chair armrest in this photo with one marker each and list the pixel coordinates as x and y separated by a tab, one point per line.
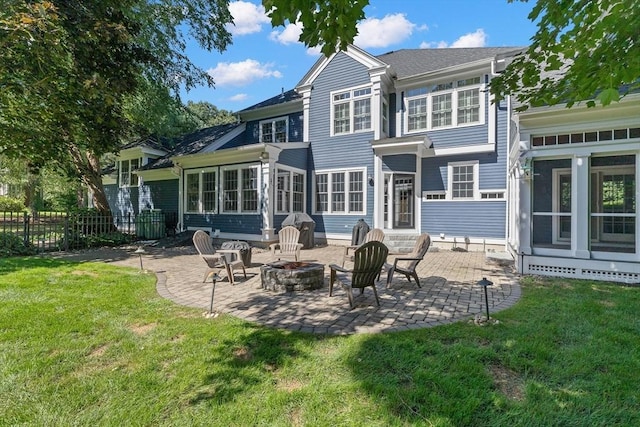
350	247
336	267
395	261
273	247
235	252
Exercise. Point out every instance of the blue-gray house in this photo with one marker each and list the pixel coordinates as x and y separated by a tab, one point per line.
411	142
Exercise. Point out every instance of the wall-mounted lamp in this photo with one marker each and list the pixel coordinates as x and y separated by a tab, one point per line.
370	180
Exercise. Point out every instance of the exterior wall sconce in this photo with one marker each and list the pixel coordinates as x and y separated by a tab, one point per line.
370	180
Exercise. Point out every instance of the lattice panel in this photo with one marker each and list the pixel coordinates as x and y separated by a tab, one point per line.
550	269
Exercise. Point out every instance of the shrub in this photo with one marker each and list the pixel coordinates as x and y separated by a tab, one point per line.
13	245
11	204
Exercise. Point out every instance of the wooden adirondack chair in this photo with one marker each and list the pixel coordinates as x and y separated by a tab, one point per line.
406	264
368	259
288	246
375	235
216	259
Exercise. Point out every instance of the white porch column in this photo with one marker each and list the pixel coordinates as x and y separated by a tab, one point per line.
268	170
378	192
523	212
580	206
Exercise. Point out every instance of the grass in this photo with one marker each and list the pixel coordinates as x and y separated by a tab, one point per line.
93	344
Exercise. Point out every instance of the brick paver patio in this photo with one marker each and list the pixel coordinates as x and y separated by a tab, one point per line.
449	291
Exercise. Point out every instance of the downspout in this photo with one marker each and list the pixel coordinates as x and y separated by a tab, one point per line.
178	171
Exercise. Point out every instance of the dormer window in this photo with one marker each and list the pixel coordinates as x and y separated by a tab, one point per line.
444	105
351	111
274	130
127	177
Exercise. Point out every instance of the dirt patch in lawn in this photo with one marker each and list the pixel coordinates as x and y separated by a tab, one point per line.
508	382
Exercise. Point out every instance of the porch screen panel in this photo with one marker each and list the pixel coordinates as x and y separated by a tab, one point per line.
551	204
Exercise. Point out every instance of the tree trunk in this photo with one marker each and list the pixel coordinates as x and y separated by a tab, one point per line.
87	165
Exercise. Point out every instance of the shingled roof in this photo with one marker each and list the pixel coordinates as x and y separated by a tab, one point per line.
192	143
414	62
288	96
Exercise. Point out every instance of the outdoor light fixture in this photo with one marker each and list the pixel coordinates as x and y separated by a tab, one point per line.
214	279
140	251
371	180
484	283
264	156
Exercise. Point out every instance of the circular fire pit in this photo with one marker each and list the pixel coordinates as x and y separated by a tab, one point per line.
292	276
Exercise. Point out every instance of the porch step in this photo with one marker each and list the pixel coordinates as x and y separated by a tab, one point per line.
400	243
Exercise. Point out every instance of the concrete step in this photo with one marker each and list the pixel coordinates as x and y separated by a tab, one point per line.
400	243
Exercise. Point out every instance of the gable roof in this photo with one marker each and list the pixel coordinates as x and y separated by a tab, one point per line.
192	143
414	62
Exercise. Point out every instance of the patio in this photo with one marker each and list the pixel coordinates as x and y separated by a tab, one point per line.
449	291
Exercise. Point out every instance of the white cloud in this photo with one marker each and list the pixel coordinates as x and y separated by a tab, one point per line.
392	29
475	39
433	45
247	18
241	73
290	34
239	97
314	51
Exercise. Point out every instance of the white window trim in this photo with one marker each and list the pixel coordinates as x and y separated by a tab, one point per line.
346	172
273	127
476	181
454	105
502	192
130	174
291	171
351	112
200	173
427	196
239	210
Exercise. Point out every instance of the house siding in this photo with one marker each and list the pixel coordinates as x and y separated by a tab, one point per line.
399	163
252	133
297	158
129	201
228	223
464	219
325	150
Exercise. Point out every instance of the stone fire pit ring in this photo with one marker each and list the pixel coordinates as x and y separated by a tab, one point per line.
287	276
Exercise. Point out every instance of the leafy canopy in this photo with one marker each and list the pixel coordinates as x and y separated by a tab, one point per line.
583	50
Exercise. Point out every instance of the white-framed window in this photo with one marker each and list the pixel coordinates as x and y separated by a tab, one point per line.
240	186
443	105
201	191
492	194
289	190
433	195
274	130
351	110
340	191
127	176
463	181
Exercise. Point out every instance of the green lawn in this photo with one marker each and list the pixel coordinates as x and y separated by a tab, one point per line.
93	344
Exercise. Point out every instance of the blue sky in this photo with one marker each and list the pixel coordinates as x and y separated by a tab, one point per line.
264	60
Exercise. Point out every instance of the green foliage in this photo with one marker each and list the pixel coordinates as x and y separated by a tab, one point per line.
330	24
11	204
582	51
13	245
207	114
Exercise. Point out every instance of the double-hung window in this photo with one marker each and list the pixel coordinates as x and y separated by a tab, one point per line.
274	130
240	189
289	190
201	191
127	176
351	111
443	105
340	191
463	181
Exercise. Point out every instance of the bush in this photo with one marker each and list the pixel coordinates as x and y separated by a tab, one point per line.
11	204
13	245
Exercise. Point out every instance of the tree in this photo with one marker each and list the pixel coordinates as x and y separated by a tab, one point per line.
207	114
583	50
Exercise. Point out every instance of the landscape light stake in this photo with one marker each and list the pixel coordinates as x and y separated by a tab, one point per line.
214	279
140	251
484	283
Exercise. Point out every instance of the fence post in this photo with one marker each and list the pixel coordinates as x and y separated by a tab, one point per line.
25	228
67	234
